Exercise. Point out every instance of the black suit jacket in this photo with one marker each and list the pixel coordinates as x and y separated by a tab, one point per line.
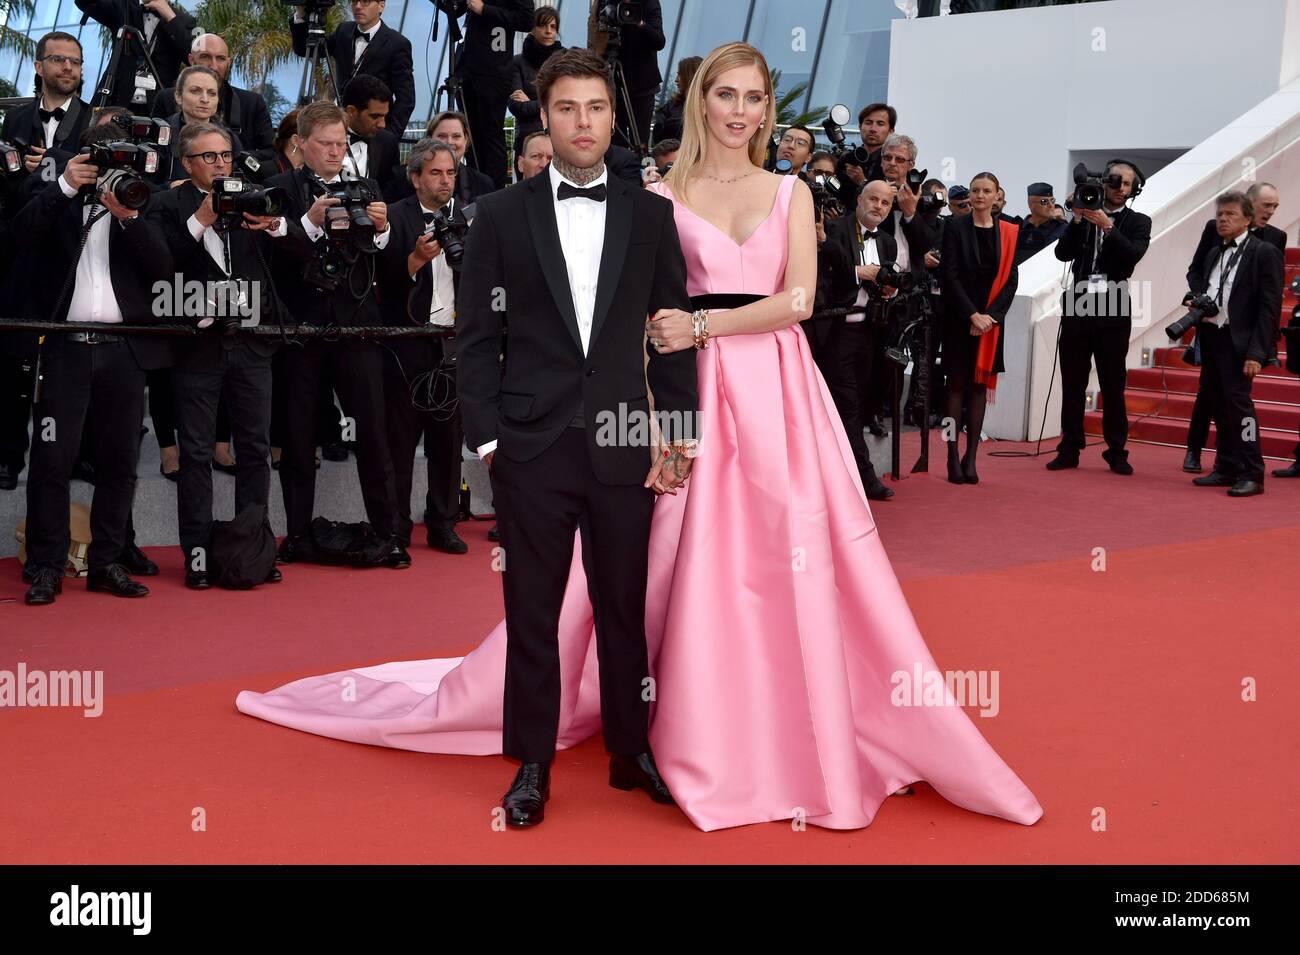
387	56
138	258
514	245
170	211
22	128
470	184
243	112
1210	241
402	300
171	43
837	275
307	304
481	56
1119	255
1255	306
641	45
381	156
921	235
957	273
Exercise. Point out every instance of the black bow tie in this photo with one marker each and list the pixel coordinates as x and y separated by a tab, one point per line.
364	37
869	234
445	210
1229	244
596	193
49	114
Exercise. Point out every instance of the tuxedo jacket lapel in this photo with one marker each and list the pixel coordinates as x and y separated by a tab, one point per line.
68	124
539	210
618	230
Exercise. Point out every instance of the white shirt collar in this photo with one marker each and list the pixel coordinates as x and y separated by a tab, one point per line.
61	104
557	178
370	34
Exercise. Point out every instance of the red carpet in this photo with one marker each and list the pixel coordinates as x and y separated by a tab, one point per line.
1121	693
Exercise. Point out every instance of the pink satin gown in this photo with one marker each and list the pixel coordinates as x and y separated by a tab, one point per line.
774	620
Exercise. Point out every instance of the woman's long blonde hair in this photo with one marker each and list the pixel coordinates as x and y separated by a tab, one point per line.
695	133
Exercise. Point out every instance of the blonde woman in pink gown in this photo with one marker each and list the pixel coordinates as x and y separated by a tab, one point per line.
774	622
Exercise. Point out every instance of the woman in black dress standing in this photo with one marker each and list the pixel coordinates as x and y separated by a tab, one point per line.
978	276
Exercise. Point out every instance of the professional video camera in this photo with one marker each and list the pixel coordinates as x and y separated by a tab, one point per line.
233	196
825	192
833	125
1202	306
613	15
349	231
1090	188
453	8
122	168
449	232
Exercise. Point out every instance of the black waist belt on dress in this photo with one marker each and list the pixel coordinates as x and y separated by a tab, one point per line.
724	300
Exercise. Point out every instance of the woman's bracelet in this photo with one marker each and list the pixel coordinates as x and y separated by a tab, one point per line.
700	328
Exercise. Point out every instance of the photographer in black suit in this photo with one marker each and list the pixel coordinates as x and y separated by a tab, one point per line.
851	251
365	44
372	149
579	259
356	365
485	73
638	55
1243	278
1264	197
418	287
241	111
1105	246
217	364
99	261
167	33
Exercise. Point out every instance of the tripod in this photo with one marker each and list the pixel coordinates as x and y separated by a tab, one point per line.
629	134
309	88
104	93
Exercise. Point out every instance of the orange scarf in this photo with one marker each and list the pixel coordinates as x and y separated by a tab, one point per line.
1008	233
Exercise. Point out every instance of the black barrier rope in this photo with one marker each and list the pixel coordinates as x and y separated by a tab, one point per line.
294	331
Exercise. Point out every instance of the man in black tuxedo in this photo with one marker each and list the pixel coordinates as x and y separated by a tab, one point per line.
418	287
372	149
453	129
485	73
1264	197
1105	246
113	257
243	112
578	259
1243	275
639	57
166	31
215	364
851	251
356	365
365	44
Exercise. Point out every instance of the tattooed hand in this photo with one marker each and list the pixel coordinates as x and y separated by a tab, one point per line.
671	468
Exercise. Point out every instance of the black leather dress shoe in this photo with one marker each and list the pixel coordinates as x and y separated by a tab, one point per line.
223	468
1214	479
294	549
334	451
1118	462
495	533
446	540
1062	462
114	580
875	427
398	558
525	802
1192	462
8	477
639	772
46	585
1246	489
274	577
876	490
135	562
197	580
1292	472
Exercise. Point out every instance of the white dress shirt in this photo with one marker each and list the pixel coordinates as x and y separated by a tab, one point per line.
904	257
443	301
1217	278
314	232
52	124
357	159
581	224
93	298
868	254
360	45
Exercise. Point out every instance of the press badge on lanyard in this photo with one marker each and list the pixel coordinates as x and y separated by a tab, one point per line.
1097	283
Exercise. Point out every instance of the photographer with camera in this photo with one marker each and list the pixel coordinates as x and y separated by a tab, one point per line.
243	112
664	154
418	278
56	118
852	251
484	70
372	148
1264	197
166	32
365	44
1105	242
926	383
876	123
640	29
795	148
334	227
99	259
215	243
1235	310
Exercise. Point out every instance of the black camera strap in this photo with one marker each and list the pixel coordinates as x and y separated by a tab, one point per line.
1225	271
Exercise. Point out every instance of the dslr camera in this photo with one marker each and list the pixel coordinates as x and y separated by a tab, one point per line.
349	231
1090	188
233	196
1202	306
449	232
122	168
925	204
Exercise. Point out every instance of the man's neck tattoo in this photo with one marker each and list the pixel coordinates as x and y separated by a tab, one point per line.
577	174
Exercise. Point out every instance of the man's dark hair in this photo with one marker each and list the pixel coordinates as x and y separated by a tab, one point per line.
574	63
930	185
192	131
1240	198
812	139
362	89
110	114
664	147
876	107
443	117
523	147
56	35
545	15
819	155
103	133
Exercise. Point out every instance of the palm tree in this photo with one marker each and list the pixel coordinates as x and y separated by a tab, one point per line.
786	114
257	32
11	40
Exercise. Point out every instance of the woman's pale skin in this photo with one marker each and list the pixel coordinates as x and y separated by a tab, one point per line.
982	195
198	100
734	107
